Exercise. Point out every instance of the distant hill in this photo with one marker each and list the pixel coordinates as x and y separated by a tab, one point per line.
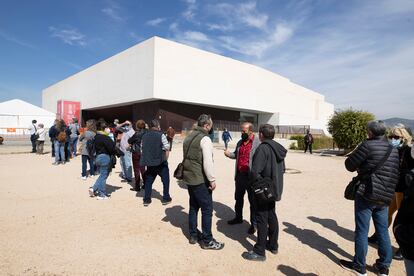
393	121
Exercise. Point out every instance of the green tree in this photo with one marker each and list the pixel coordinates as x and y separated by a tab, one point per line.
348	127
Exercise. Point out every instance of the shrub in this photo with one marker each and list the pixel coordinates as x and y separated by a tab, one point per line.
348	127
323	142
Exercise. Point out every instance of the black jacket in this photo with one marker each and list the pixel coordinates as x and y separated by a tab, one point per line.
364	158
265	164
406	165
137	139
104	145
404	222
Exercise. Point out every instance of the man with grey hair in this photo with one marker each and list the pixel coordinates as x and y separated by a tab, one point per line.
377	164
243	155
200	180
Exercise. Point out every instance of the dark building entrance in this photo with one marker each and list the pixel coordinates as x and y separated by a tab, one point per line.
177	115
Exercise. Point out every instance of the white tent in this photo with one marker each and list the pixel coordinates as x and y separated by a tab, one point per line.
18	115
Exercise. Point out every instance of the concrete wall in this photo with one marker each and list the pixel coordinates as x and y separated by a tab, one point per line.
166	70
124	78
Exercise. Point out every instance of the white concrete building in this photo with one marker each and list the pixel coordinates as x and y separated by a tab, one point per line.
162	79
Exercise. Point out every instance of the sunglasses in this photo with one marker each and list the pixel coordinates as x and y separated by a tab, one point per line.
395	137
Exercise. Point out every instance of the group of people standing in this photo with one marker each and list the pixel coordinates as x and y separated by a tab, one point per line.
258	158
385	172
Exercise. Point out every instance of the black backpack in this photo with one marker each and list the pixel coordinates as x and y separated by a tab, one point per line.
90	146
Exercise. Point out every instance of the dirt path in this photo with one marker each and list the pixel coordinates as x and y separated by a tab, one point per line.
50	226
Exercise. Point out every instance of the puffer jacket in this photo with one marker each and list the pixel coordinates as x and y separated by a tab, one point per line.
364	158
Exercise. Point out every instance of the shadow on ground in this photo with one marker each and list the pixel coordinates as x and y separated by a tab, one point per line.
333	226
236	232
178	218
290	271
317	242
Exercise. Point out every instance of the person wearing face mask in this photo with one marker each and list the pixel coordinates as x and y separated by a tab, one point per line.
401	140
243	155
105	148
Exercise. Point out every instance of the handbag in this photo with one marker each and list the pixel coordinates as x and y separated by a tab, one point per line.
179	171
352	188
262	187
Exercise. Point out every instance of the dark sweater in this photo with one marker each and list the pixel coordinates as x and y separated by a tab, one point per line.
104	145
406	165
404	221
265	164
364	158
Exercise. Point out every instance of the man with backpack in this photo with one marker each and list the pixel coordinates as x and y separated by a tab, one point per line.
268	167
88	148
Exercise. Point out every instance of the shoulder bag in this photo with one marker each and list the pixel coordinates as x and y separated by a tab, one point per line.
179	171
262	187
352	188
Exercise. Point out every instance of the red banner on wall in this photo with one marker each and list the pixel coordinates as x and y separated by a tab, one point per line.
67	110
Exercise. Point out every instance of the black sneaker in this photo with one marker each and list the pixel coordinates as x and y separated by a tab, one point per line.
253	256
273	251
252	230
147	202
397	255
166	201
381	271
373	239
235	221
350	266
213	245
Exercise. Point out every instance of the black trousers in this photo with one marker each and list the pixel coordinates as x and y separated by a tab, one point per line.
267	228
308	146
242	185
33	141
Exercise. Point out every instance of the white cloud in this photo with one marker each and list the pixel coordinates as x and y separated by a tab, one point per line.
245	14
190	10
69	36
220	27
174	27
15	40
196	36
257	47
114	11
155	22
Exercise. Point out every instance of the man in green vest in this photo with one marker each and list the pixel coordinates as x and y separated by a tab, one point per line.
199	176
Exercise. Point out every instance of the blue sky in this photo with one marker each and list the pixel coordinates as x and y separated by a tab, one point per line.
358	53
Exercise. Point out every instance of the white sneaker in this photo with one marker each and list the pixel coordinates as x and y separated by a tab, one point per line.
92	176
102	197
91	193
83	177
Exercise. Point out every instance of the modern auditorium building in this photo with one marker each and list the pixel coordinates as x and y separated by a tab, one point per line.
176	83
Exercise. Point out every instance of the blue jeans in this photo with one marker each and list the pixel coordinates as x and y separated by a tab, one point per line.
409	267
126	165
149	178
364	210
226	144
59	151
73	146
242	185
103	164
200	198
85	159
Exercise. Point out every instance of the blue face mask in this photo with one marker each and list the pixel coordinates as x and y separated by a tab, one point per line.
396	143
